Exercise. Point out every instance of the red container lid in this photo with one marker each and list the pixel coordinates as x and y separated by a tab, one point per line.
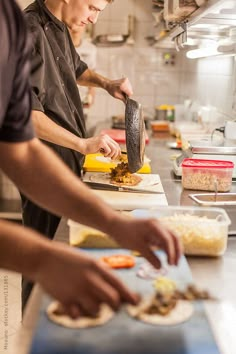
201	163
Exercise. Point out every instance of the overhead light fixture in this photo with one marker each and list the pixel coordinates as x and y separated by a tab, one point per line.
202	53
222	47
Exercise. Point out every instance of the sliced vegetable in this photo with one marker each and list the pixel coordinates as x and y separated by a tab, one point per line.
147	271
119	261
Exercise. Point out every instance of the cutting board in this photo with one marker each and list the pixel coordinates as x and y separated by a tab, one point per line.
130	201
99	163
125	335
119	135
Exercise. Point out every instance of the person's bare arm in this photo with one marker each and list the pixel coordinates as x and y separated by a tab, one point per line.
48	130
116	88
49	263
44	178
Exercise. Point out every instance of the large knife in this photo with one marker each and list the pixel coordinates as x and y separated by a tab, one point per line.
111	187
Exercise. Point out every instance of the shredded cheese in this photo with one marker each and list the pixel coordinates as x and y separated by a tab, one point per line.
199	235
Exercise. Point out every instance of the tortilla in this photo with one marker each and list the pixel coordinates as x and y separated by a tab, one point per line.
179	314
55	315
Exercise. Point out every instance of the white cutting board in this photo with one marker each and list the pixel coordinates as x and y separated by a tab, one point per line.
131	201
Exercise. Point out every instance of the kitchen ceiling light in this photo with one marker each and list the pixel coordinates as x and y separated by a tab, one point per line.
202	53
222	47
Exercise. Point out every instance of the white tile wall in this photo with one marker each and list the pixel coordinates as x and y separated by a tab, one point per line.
207	81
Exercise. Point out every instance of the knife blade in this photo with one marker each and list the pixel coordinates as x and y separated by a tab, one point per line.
111	187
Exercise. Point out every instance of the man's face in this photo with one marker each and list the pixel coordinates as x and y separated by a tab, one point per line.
78	13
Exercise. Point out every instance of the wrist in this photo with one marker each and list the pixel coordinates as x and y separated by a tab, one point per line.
80	145
114	224
39	263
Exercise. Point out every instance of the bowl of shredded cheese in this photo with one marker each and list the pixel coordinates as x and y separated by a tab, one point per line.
203	231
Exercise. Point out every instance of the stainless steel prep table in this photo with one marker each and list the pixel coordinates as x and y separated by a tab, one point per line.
216	274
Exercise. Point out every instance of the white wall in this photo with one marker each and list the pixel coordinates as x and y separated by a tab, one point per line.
209	81
153	82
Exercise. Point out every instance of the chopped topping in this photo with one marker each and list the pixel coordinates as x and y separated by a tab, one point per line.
120	173
122	176
164	285
163	302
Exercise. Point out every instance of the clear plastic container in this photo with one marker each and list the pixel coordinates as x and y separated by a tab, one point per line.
207	175
159	126
86	237
203	231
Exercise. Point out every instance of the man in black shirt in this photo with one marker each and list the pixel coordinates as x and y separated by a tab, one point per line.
57	109
40	175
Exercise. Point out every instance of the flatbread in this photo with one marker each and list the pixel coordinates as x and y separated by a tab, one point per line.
146	180
53	313
181	313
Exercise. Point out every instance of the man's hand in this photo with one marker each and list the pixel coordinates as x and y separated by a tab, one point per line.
119	88
143	234
102	143
79	282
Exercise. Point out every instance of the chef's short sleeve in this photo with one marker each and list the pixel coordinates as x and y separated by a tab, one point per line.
15	91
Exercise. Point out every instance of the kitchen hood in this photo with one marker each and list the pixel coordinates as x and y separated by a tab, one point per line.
193	21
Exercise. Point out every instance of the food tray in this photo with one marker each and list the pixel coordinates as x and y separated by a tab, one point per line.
212	199
203	231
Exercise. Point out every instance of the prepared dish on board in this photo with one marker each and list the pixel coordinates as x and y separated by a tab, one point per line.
121	176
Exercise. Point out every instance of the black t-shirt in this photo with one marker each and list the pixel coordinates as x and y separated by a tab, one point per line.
55	67
15	92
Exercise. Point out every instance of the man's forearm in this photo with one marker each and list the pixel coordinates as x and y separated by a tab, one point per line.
48	130
44	178
91	78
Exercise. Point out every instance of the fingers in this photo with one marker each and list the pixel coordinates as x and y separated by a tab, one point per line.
124	293
120	88
178	248
126	87
104	287
89	305
73	311
151	257
169	242
109	147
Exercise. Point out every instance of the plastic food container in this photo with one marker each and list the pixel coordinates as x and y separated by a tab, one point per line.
159	126
203	231
86	237
207	175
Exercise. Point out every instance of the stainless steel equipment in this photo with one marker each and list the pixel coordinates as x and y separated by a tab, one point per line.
212	199
209	150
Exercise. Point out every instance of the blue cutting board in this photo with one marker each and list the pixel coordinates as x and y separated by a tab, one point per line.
125	335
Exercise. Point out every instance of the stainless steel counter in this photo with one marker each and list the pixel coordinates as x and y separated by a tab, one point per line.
216	274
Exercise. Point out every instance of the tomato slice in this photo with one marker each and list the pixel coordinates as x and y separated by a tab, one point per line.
119	261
